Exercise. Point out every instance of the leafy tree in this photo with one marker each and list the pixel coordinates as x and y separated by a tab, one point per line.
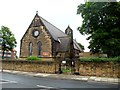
101	22
8	39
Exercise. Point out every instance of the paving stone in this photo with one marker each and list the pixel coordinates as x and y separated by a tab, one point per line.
92	78
77	78
7	71
85	79
116	80
40	74
98	79
104	79
111	79
24	72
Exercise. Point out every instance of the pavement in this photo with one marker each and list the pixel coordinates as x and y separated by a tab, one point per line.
72	77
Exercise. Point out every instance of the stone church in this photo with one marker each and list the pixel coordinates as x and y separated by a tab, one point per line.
42	39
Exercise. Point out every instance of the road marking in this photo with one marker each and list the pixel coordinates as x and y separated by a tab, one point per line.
3	81
41	86
48	88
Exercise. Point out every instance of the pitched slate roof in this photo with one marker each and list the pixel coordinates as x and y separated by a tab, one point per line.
59	35
64	44
54	31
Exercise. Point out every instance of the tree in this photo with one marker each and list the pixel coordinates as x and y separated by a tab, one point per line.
101	21
8	40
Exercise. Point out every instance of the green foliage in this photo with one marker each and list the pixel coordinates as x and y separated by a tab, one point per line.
33	58
9	41
101	21
96	59
66	70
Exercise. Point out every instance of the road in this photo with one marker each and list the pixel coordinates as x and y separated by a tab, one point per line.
15	81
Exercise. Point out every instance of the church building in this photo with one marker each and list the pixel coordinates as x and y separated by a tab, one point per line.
42	39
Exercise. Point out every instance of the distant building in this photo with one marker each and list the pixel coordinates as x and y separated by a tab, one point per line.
42	39
8	55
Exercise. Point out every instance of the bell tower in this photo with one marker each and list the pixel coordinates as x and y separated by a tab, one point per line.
71	62
69	32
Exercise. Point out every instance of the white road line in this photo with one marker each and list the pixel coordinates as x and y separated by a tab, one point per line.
4	82
7	81
41	86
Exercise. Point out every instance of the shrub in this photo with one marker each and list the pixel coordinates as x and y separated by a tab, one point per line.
33	58
66	70
97	59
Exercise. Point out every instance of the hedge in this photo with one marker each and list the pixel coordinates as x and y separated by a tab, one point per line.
33	58
97	59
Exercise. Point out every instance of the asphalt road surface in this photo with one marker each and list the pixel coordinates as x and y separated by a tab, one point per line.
24	82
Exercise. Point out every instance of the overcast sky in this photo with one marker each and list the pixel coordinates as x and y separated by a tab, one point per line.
18	14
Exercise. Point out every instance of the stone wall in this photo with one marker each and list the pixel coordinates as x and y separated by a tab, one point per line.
89	54
30	66
102	69
109	69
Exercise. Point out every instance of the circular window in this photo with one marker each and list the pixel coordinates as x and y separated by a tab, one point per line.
35	33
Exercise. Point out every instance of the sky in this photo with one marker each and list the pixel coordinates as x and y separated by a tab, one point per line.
18	14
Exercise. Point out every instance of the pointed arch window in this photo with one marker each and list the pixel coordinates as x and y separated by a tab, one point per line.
39	48
30	49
